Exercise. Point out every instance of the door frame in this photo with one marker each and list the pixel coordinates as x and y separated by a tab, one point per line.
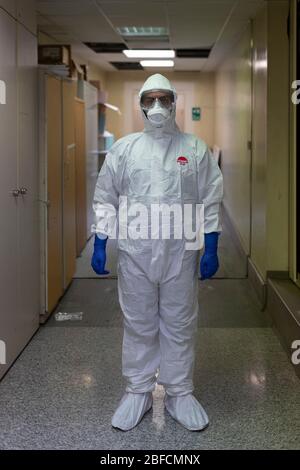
294	110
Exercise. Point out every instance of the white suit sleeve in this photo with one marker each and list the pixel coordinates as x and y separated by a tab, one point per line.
210	182
106	199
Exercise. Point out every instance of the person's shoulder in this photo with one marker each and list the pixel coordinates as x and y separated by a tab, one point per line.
200	146
121	144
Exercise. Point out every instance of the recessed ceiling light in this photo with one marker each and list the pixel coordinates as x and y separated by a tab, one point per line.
149	54
157	63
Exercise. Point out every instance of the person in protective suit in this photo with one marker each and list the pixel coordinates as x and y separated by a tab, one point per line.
158	278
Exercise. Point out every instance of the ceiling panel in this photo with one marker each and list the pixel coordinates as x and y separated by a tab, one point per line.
229	38
84	20
66	7
195	34
189	64
202	8
135	20
87	28
149	44
43	20
53	29
245	10
132	7
191	23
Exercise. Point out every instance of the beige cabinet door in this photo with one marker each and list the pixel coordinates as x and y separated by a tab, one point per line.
69	198
80	171
28	280
8	182
54	191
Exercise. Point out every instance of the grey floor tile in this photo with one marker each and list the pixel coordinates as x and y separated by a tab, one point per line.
65	386
223	303
97	299
62	391
230	303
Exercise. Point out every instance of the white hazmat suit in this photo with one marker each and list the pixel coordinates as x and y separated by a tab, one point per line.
158	278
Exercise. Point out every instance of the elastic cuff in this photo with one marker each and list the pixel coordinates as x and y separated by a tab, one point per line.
141	388
101	236
176	391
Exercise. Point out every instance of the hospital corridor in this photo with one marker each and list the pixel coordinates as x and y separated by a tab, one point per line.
123	344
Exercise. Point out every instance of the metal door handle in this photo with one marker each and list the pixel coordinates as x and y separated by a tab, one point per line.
23	191
15	192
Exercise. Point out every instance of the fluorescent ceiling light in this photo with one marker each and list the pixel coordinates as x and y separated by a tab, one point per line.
149	54
157	63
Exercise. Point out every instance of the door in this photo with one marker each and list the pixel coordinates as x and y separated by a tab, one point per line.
80	169
69	198
297	147
8	183
294	254
28	219
53	91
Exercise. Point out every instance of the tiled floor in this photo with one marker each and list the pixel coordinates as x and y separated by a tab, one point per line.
62	391
65	386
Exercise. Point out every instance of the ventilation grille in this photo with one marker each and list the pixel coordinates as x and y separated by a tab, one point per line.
127	65
106	46
142	31
193	53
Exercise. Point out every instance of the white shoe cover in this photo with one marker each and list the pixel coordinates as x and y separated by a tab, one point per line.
131	410
187	411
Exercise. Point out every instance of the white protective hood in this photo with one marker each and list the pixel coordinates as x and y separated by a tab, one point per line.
159	82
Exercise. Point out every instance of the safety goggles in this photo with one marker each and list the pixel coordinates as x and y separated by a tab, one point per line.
165	100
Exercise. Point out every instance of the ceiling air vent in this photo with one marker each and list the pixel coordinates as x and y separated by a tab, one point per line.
142	31
193	53
106	47
127	65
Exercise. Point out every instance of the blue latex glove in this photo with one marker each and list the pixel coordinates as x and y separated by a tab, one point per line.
209	263
99	256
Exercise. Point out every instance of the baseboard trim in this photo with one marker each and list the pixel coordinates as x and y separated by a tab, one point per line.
258	283
44	317
278	275
284	309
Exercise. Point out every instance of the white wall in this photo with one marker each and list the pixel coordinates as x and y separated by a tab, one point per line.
264	229
233	132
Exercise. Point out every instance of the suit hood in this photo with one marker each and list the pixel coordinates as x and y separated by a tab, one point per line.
158	82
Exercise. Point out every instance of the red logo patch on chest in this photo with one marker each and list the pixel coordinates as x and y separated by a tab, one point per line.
182	160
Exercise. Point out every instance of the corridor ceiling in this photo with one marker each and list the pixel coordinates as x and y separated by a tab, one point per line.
190	24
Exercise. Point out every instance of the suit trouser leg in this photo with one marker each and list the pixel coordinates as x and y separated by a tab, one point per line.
138	298
178	311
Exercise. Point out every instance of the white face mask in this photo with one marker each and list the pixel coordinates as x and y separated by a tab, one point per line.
158	115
